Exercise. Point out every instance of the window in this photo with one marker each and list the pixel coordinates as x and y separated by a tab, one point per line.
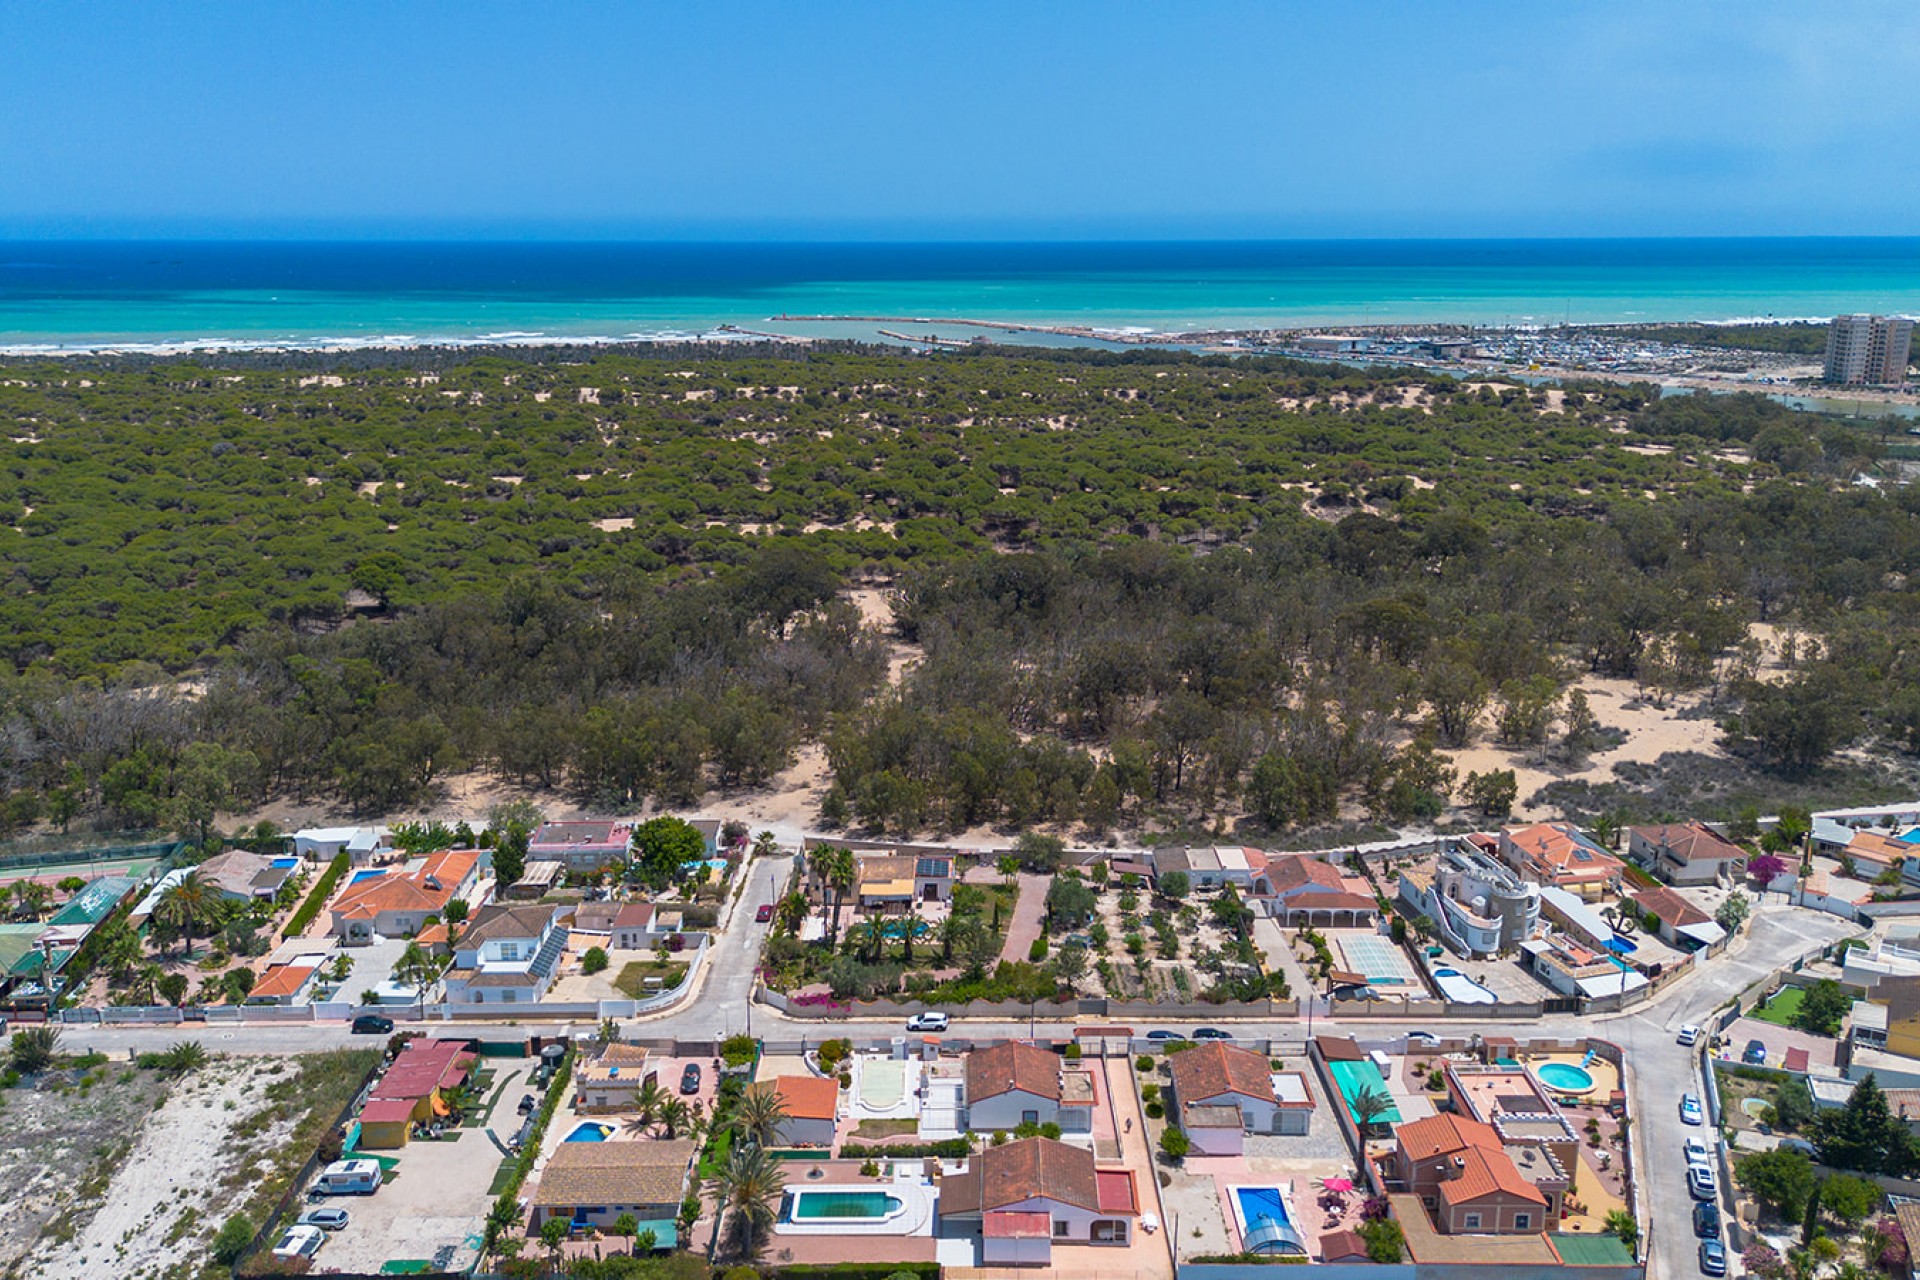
507	996
1059	1230
1522	1221
1107	1231
1029	1117
1472	1223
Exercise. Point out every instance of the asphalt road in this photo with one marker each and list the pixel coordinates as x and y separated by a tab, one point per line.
1659	1069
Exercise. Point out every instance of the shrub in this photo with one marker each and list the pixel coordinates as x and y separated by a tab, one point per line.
595	960
1174	1143
738	1050
1155	1111
1149	1092
1143	1063
322	890
945	1149
1072	1052
1038	951
235	1234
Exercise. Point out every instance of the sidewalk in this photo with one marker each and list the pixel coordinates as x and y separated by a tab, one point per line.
1027	915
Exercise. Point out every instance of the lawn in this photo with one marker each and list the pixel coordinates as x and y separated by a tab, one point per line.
1782	1008
878	1129
631	980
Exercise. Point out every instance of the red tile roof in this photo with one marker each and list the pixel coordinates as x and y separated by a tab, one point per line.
1210	1070
1670	907
1443	1133
808	1097
1480	1174
1298	871
422	1067
426	890
386	1111
634	915
1342	1246
1036	1168
1013	1065
1115	1187
1690	842
1031	1224
281	980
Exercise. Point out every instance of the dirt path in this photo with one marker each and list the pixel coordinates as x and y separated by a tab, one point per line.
1027	914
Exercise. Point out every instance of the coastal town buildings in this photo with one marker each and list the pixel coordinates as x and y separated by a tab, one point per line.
1867	350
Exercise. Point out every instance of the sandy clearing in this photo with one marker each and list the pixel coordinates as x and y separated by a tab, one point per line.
1651	732
614	524
175	1167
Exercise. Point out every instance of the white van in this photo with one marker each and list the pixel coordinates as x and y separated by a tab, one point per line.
349	1178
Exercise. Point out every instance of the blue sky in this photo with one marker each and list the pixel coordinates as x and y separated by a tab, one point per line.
906	120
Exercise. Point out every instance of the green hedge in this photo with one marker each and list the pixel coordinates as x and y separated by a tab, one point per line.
947	1149
506	1208
322	890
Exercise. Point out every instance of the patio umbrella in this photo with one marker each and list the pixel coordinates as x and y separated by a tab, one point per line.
1337	1184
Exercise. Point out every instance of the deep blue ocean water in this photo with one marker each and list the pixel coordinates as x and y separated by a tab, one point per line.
87	294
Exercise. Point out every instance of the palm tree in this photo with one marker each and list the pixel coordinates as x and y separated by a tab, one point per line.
673	1117
758	1115
1368	1106
750	1184
837	865
416	969
146	980
33	1048
626	1226
188	905
1009	866
33	897
766	844
648	1100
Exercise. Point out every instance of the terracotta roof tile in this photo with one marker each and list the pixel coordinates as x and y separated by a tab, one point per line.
1013	1065
1211	1070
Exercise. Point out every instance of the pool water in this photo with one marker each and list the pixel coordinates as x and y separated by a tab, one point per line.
1565	1077
591	1133
809	1206
1265	1225
372	874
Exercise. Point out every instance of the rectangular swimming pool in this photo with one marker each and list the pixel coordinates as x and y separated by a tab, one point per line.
843	1204
1265	1225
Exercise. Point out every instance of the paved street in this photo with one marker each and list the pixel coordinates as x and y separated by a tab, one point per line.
1659	1070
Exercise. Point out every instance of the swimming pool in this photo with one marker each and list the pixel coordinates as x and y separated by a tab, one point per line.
1265	1225
286	862
1622	945
842	1204
1384	964
1564	1077
590	1133
1458	988
371	873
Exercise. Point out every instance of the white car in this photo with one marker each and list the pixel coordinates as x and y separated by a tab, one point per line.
300	1242
1690	1110
1689	1034
1698	1151
927	1022
1702	1183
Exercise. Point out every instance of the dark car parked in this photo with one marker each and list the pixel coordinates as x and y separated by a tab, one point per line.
1706	1220
372	1024
1211	1033
690	1079
1755	1053
528	1104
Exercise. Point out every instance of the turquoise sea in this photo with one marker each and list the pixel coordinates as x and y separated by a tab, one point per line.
84	295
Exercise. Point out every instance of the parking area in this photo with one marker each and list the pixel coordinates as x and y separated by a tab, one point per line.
437	1193
1821	1051
372	966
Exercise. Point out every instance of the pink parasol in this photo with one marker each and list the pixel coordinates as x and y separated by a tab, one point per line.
1337	1184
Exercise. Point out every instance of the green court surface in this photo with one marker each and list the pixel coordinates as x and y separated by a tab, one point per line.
1592	1251
132	868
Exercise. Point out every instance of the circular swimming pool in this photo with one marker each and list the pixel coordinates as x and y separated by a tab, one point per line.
1565	1077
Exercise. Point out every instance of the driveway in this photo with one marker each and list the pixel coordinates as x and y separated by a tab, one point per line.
721	1007
432	1207
1027	915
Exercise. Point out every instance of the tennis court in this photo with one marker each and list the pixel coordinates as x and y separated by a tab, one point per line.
1385	964
51	873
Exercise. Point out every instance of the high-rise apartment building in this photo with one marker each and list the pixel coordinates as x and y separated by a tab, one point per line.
1866	350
